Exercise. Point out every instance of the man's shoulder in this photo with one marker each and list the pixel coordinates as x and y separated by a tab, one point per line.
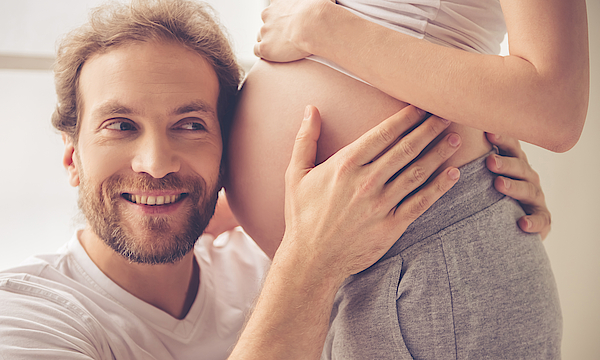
40	294
35	265
32	279
48	310
40	277
37	313
29	295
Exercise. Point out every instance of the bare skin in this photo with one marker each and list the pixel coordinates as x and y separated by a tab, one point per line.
272	99
153	127
150	80
538	93
542	97
324	239
516	179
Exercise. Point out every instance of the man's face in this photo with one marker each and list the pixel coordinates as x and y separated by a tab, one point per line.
149	150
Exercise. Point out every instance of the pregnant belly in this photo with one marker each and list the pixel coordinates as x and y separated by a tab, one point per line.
267	119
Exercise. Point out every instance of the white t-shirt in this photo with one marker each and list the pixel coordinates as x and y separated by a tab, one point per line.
61	306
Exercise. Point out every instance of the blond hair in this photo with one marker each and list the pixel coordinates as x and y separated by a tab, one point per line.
189	23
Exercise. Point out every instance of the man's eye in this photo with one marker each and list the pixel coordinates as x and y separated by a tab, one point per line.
193	126
121	126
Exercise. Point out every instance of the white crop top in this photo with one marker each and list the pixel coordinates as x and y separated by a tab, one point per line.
471	25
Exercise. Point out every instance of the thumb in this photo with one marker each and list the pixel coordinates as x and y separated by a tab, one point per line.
304	152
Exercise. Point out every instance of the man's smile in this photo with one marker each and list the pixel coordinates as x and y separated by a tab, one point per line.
154	200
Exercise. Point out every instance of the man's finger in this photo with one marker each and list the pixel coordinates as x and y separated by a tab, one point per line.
410	146
417	173
377	140
415	205
304	152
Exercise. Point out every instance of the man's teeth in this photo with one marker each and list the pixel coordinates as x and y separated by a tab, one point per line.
153	200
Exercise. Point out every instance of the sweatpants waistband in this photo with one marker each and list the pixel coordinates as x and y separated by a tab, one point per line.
473	192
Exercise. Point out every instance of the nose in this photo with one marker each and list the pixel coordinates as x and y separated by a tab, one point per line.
155	155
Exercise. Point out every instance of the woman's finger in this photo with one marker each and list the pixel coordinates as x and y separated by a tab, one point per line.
523	191
512	167
538	222
507	145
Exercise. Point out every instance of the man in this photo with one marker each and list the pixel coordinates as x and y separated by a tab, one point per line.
144	93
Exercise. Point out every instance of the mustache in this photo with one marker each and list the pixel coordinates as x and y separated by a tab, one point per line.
116	185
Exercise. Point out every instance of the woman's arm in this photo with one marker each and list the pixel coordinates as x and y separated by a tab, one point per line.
539	93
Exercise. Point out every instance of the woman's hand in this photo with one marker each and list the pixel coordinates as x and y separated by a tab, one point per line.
520	182
286	23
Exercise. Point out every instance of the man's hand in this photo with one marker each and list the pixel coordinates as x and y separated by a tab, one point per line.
521	183
341	217
286	22
348	211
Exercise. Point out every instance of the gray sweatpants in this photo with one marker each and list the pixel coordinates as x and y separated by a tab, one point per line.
463	282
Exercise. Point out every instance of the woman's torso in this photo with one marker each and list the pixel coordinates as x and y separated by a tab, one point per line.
268	117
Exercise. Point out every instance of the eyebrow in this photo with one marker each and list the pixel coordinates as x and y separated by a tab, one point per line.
110	109
113	108
196	106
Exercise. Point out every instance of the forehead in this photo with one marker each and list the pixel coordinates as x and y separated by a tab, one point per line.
151	77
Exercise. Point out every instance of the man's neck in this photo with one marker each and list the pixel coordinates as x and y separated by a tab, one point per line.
169	287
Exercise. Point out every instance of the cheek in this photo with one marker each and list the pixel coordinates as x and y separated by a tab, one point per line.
206	163
99	163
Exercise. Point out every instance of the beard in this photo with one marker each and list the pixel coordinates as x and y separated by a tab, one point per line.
148	239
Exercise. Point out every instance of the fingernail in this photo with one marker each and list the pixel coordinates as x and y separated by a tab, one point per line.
454	174
421	112
498	162
454	140
445	121
506	183
528	223
306	112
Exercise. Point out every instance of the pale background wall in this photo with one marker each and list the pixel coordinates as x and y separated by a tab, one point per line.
39	207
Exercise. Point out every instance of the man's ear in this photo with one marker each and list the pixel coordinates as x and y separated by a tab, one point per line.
69	160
